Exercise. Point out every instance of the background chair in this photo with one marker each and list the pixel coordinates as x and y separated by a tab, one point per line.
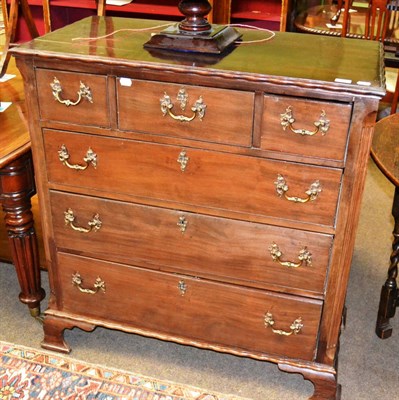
377	20
345	7
10	16
101	6
381	22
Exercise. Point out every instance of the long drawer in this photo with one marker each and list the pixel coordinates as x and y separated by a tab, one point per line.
210	179
223	249
191	308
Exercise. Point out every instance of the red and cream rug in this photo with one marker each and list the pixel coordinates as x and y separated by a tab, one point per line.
27	373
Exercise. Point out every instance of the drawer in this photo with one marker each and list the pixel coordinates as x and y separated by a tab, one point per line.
190	308
227	116
73	97
201	245
210	179
295	126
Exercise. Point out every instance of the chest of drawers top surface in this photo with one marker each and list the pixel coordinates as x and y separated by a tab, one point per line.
287	58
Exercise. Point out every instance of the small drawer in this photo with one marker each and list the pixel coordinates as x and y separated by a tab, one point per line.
248	253
305	128
80	99
220	181
189	308
221	116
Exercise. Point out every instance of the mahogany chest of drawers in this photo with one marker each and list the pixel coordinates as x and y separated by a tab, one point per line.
202	200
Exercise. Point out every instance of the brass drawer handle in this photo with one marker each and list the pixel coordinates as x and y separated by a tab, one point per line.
295	327
287	120
94	224
282	189
90	158
182	224
183	160
304	257
84	92
99	284
198	108
182	286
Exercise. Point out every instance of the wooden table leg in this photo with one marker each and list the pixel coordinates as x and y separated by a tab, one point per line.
17	186
389	292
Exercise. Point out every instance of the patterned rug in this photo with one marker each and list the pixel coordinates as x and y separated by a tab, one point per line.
27	373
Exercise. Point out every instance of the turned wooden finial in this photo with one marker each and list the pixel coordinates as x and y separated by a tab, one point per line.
195	13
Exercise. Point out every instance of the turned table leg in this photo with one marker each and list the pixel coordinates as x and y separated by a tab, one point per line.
17	186
389	292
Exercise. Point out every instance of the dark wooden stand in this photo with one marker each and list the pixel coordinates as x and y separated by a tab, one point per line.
194	33
385	139
11	29
389	292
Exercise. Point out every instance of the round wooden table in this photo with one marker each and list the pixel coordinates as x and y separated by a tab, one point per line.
317	20
385	152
